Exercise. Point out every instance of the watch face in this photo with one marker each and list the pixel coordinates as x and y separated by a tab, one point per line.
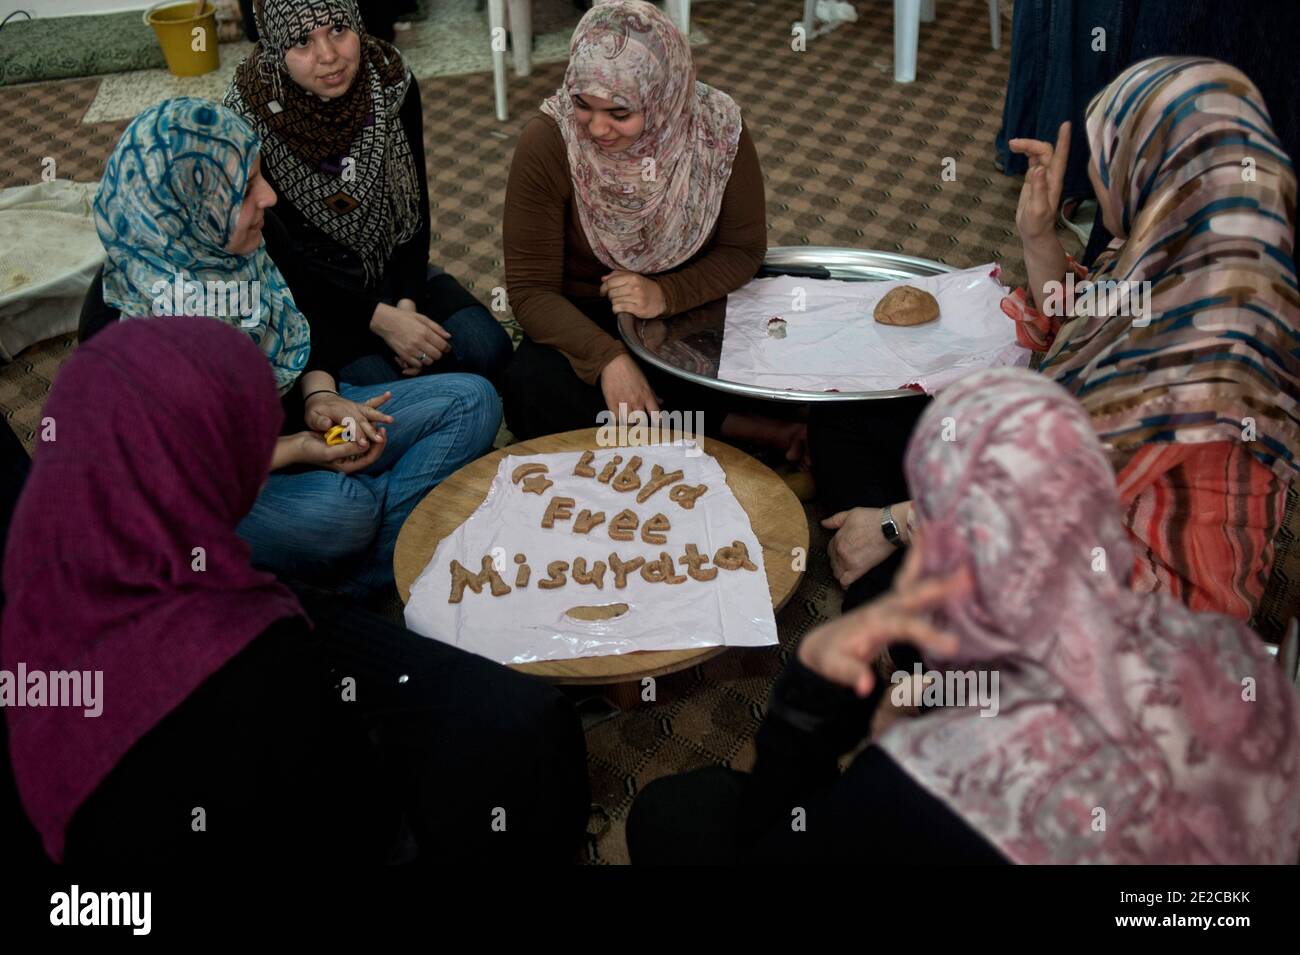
890	529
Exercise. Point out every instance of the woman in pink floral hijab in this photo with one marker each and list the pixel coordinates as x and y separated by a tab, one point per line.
1130	729
1101	726
636	191
649	207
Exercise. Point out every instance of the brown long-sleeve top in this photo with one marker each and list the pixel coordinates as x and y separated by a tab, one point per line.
551	270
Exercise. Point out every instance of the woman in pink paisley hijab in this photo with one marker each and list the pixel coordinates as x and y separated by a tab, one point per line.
1121	727
636	190
628	56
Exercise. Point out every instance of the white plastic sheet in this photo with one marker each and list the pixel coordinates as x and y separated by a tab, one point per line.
531	623
836	344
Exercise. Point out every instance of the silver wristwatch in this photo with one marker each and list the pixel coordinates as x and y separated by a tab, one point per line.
889	526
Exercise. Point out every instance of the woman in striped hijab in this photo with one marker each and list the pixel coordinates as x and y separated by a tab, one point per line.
1195	400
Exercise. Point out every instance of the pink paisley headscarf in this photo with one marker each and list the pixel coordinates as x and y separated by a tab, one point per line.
628	52
1129	729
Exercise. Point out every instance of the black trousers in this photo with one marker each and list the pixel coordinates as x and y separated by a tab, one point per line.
857	451
796	806
471	761
22	846
874	813
479	343
14	465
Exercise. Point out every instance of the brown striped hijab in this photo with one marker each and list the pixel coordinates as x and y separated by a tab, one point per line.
1206	195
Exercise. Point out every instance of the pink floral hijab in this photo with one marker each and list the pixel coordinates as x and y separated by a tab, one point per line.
652	206
1129	729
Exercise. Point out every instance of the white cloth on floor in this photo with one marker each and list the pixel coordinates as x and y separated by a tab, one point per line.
49	253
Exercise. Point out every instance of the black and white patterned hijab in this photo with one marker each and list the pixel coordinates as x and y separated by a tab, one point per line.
345	164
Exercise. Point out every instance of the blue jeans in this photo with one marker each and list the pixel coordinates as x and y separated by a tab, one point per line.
337	530
479	345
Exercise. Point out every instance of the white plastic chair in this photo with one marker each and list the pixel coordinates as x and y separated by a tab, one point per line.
1288	653
520	27
908	17
679	11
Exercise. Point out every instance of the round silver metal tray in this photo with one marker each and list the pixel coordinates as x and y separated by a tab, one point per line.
690	348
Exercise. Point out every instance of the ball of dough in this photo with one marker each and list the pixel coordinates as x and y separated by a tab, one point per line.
906	305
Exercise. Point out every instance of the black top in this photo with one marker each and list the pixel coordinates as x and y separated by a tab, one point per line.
14	465
332	267
328	347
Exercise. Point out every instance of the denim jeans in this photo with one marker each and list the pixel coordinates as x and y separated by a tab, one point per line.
337	530
479	345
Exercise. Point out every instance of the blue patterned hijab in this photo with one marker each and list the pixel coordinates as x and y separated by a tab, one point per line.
166	208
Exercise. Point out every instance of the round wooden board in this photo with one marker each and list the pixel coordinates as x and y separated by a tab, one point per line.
774	512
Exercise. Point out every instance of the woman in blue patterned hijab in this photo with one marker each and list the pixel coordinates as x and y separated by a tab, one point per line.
168	213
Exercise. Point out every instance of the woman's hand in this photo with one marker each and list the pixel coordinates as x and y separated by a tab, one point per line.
843	650
1040	196
347	458
416	341
622	382
633	293
325	410
859	544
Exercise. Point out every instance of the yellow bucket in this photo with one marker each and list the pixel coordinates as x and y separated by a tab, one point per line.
187	32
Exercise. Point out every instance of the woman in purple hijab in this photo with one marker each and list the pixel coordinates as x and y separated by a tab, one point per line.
167	702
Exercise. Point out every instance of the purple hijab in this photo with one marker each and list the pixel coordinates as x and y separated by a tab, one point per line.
163	434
